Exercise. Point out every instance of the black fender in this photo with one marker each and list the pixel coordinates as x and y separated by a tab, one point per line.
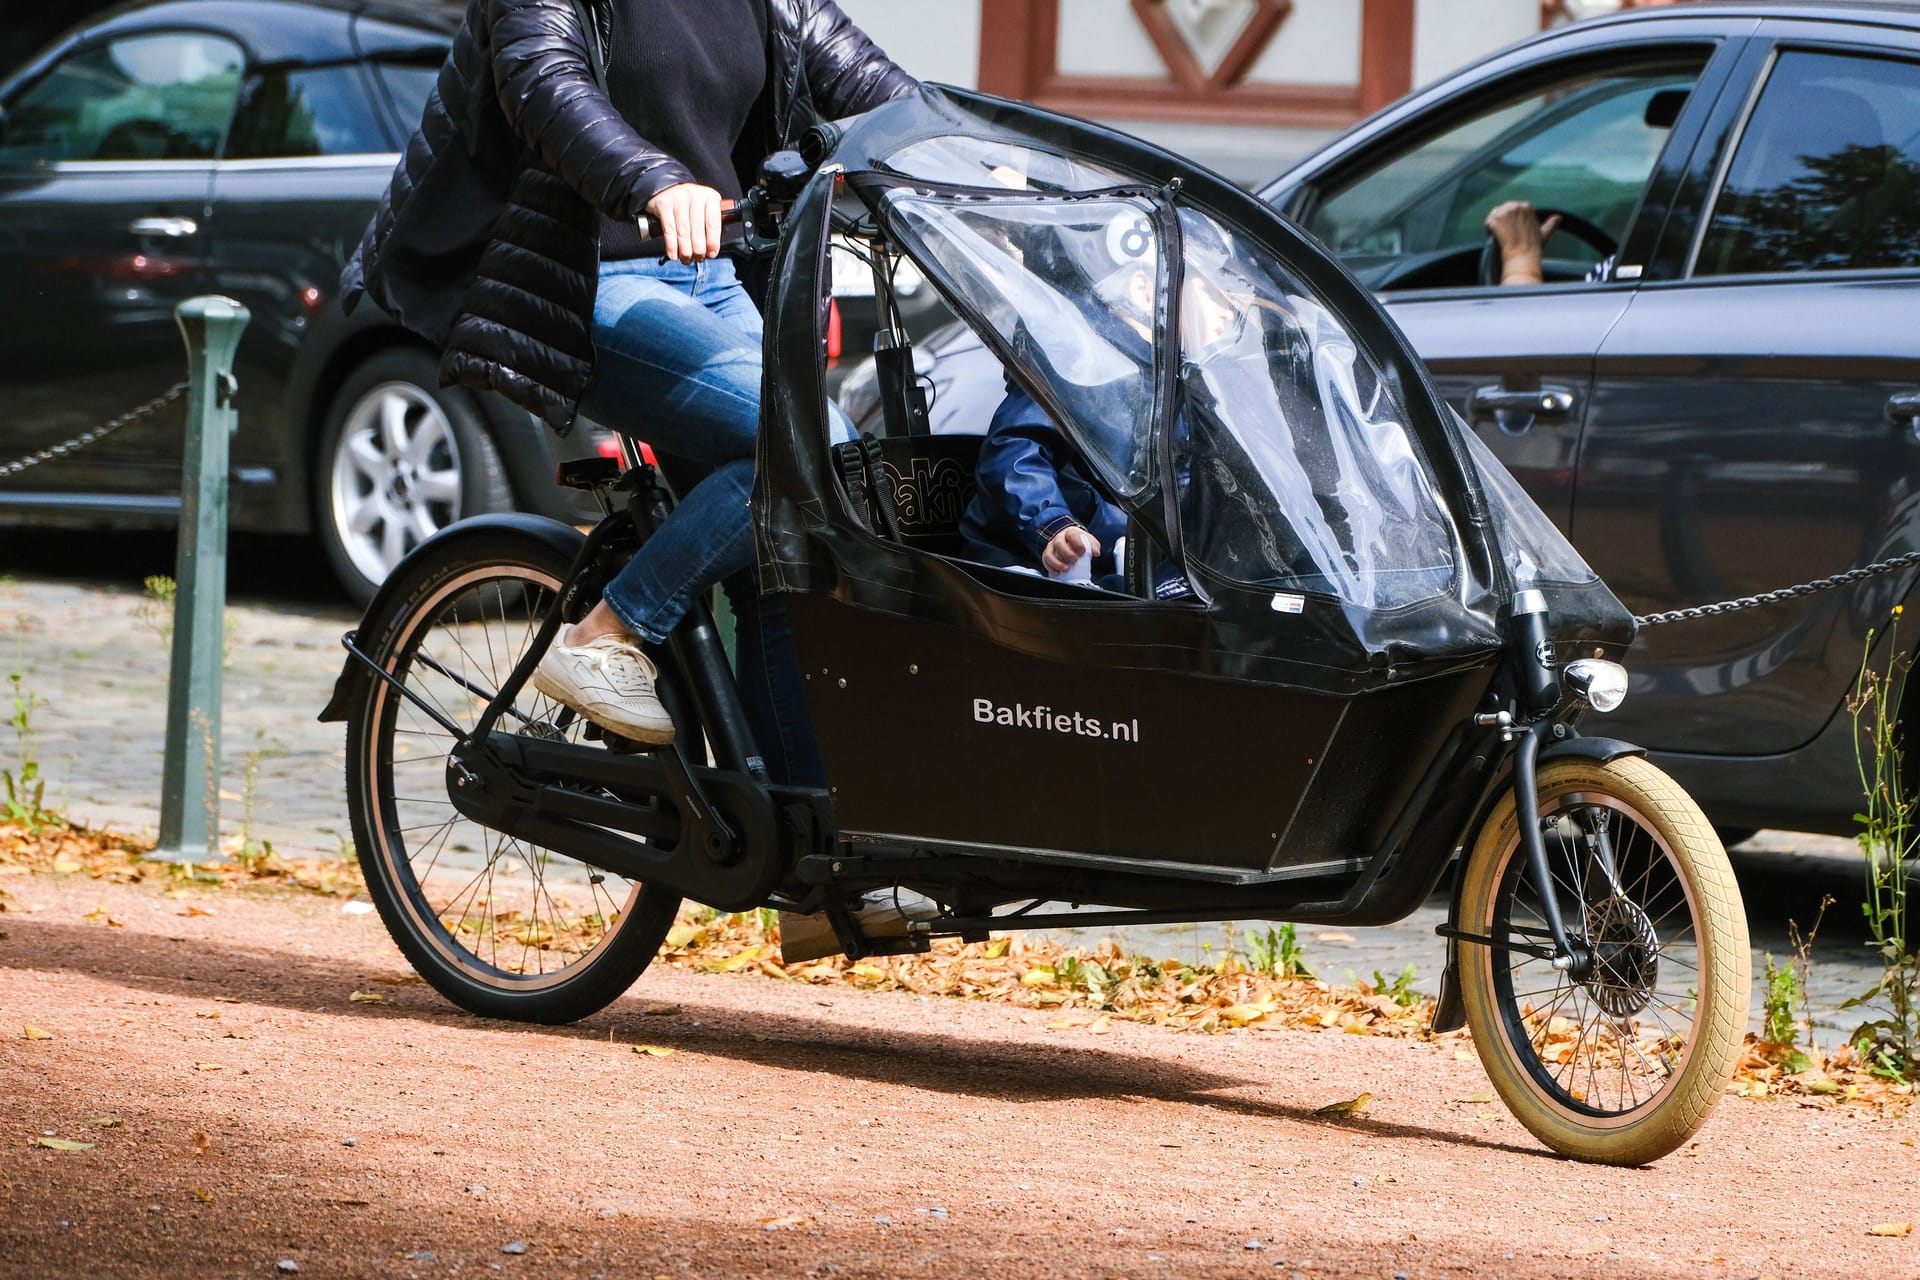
389	596
1449	1011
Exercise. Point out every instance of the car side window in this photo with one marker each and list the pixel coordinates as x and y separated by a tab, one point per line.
153	97
1586	147
1826	176
306	111
407	86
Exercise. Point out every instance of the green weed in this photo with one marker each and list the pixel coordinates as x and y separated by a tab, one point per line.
1889	1045
1277	953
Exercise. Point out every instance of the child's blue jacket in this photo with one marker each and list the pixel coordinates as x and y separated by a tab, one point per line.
1030	485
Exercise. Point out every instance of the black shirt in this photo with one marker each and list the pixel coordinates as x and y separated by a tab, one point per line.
686	75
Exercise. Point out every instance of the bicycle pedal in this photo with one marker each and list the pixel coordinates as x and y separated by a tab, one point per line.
628	746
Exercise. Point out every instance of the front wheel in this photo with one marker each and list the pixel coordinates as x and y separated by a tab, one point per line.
500	927
1620	1065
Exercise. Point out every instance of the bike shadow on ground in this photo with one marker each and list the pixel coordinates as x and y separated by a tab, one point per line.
965	1066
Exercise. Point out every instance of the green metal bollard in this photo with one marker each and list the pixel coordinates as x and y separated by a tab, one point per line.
190	779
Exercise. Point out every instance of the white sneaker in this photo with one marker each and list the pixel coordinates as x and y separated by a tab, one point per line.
610	682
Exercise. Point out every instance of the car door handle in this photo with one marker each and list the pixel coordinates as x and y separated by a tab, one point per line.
1904	408
171	228
1547	402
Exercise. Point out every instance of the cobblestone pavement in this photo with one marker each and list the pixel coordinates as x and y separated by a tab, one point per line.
94	655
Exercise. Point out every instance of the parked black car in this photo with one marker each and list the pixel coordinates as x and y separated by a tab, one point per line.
235	146
1717	390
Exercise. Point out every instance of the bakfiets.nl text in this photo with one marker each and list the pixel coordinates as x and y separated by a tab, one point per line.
1045	719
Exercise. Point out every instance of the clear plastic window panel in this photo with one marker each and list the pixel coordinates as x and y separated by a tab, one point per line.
1535	551
1298	469
1074	289
963	161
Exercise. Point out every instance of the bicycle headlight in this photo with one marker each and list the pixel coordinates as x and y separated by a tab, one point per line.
1600	684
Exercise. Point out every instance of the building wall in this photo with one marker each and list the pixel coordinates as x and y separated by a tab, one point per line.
1246	86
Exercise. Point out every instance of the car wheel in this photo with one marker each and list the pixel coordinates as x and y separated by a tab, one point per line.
400	459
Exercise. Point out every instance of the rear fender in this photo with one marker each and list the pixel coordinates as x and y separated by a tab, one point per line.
1449	1013
390	597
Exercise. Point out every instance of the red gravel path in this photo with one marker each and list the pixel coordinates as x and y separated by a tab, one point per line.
896	1135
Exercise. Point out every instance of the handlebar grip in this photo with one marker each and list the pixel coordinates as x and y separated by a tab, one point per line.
729	214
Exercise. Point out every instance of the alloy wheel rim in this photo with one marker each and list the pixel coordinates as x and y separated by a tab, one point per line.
395	478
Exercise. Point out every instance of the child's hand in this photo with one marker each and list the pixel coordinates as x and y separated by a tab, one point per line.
1066	548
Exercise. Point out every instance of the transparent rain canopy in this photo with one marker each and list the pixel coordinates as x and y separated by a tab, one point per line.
963	161
1299	468
1537	554
1072	290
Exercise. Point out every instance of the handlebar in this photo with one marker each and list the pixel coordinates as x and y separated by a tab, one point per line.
731	212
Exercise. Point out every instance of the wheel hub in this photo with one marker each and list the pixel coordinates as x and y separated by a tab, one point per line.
1626	958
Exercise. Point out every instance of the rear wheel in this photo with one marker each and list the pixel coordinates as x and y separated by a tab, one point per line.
498	926
1622	1065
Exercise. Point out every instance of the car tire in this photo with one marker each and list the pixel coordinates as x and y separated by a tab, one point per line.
400	458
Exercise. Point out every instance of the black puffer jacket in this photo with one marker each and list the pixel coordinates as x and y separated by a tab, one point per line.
486	242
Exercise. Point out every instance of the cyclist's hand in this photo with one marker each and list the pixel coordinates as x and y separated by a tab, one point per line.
1066	548
687	216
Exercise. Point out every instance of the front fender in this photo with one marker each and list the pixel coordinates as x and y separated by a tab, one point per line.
392	595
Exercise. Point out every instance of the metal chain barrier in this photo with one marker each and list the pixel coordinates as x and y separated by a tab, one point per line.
101	432
1784	593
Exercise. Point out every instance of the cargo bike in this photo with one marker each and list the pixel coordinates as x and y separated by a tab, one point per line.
1378	657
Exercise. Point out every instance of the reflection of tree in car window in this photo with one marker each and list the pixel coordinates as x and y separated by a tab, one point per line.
162	97
1826	176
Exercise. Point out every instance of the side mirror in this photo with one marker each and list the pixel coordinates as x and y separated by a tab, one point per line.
1663	108
783	174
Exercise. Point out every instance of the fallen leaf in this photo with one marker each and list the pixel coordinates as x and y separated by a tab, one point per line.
653	1050
367	997
236	1035
1351	1107
208	1066
1891	1229
62	1144
683	935
1062	1024
203	1195
35	1033
661	1010
226	999
196	911
997	948
100	914
1476	1098
791	1222
1239	1015
741	959
867	972
1100	1026
207	1013
1036	977
200	1143
108	1122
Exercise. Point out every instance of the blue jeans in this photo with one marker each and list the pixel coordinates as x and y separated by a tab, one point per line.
677	364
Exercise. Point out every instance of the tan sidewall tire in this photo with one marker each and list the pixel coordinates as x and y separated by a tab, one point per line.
1726	966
